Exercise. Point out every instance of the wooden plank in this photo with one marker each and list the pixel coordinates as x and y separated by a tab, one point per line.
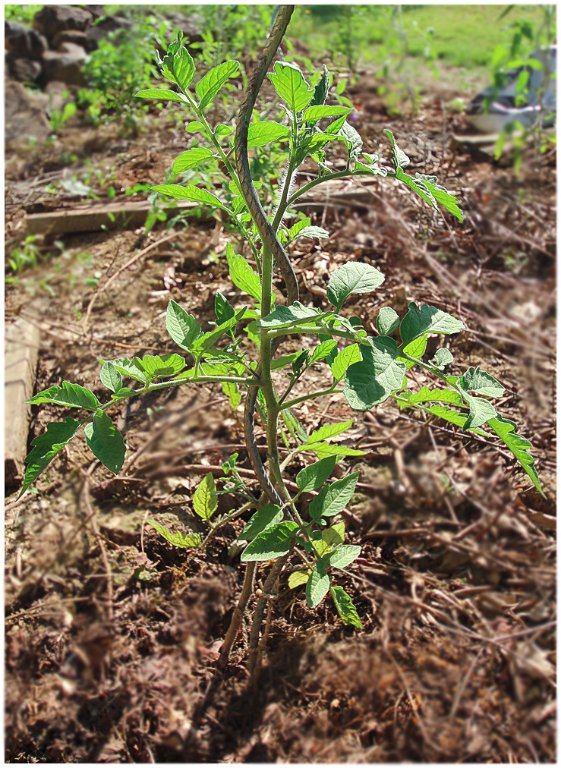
22	348
95	218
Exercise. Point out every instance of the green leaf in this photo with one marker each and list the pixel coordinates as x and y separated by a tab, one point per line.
323	350
271	543
419	321
106	442
161	365
387	321
232	392
205	500
179	67
344	555
207	88
400	159
222	307
45	447
110	377
352	139
476	380
352	278
480	410
329	430
291	86
181	326
416	349
185	541
264	518
442	358
314	476
195	126
334	498
313	233
297	579
129	369
293	425
265	132
160	93
282	316
518	445
425	395
373	380
323	449
188	192
322	89
438	193
317	587
334	535
190	159
207	340
345	607
69	395
346	357
315	113
242	275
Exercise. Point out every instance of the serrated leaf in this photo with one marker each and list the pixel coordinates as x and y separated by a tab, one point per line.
352	139
329	430
345	607
313	233
323	350
315	113
293	425
346	357
297	579
317	587
322	89
161	365
334	498
242	275
289	315
426	395
480	410
69	395
207	88
271	543
400	159
425	319
105	442
264	132
416	349
183	540
190	159
324	449
205	499
438	193
344	555
208	339
232	392
45	447
129	369
352	278
387	321
442	358
264	518
222	308
519	446
110	377
334	535
159	93
315	475
476	380
188	192
291	86
195	126
373	380
181	326
179	67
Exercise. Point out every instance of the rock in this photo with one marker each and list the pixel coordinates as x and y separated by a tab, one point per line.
103	27
25	70
58	94
191	26
52	19
75	36
65	65
25	114
22	42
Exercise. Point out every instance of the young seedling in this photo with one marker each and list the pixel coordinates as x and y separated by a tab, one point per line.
298	534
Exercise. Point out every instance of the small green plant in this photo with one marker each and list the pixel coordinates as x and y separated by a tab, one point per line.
296	533
58	117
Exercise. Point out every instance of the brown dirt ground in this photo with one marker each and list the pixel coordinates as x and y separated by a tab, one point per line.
112	634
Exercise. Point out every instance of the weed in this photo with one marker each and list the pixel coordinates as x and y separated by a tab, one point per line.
298	533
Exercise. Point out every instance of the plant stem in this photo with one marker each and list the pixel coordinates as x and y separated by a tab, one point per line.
311	396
